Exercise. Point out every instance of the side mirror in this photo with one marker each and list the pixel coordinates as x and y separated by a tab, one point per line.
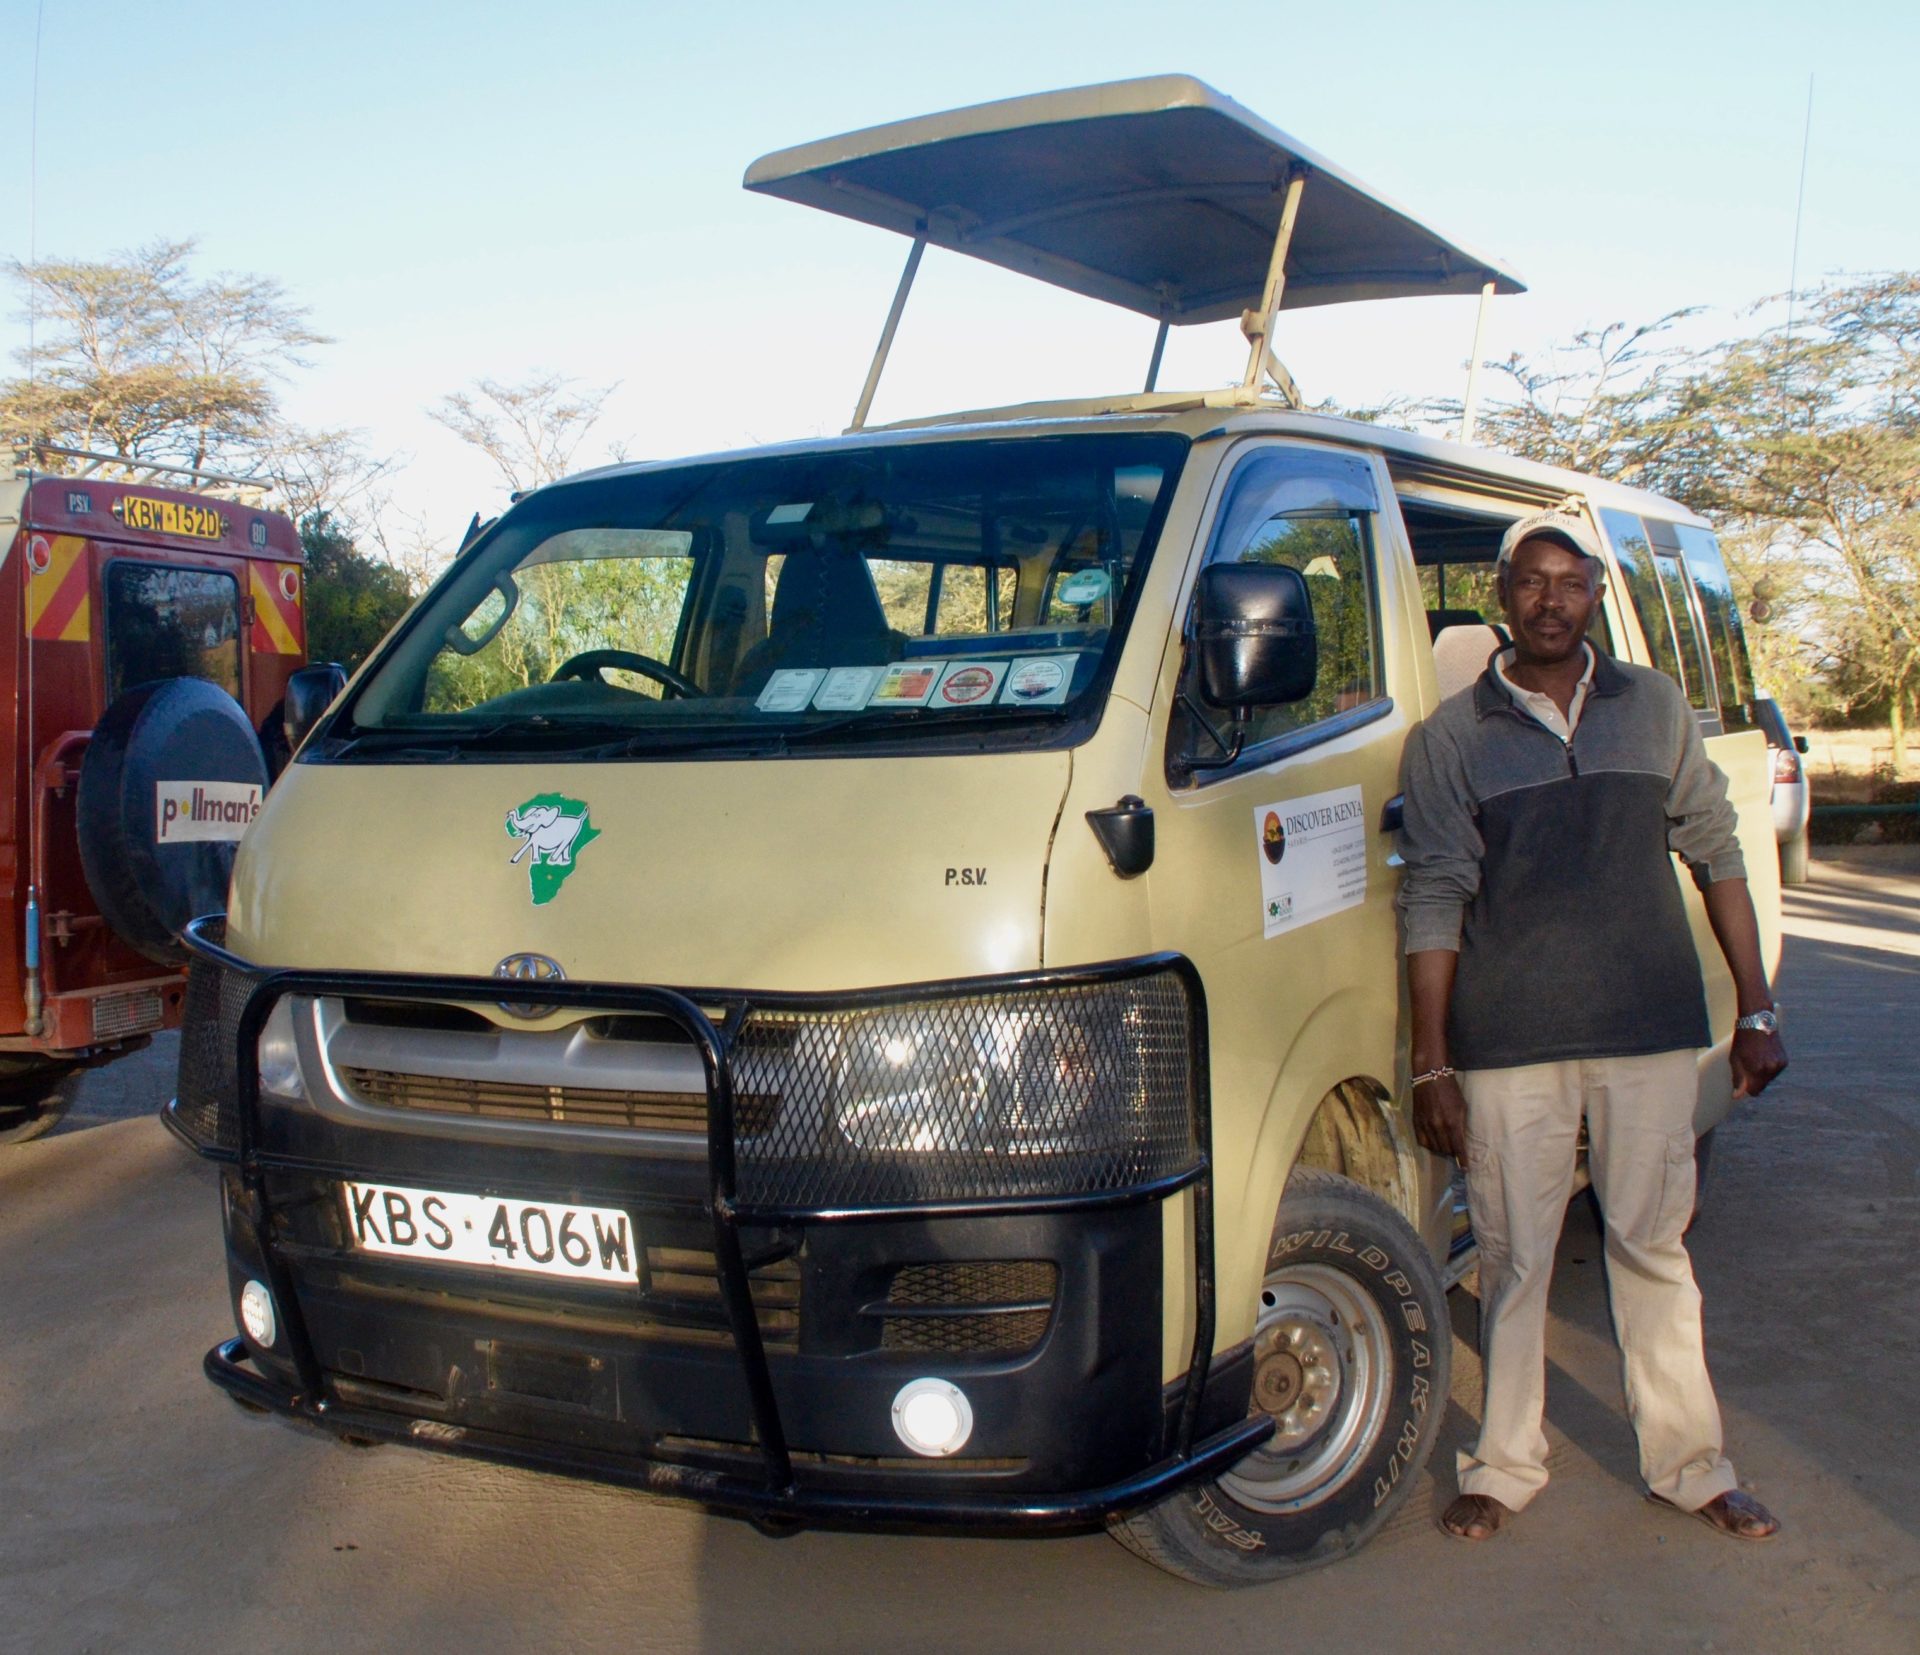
1800	744
1255	637
310	692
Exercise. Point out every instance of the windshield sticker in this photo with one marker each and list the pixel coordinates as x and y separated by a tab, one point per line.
1083	587
969	683
552	830
906	684
1039	681
790	689
846	689
793	512
1313	858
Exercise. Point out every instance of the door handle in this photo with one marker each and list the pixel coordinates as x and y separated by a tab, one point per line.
1392	819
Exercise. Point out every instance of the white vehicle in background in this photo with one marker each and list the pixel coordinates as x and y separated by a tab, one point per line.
1792	797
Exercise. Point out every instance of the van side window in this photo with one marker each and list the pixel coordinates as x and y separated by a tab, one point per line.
1635	554
1725	637
171	623
1696	676
1312	512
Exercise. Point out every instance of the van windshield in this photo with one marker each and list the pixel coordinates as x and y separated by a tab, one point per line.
927	593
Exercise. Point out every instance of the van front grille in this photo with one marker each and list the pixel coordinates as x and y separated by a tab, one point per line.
687	1278
989	1307
574	1105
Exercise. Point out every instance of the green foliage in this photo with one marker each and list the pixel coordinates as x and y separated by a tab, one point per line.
352	599
567	602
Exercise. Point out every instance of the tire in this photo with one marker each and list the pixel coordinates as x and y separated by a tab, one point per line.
1793	859
31	1104
1353	1314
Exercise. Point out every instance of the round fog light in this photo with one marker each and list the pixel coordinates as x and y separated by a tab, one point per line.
256	1313
932	1417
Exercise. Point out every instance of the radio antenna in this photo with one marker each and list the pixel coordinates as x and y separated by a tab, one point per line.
32	1025
1799	206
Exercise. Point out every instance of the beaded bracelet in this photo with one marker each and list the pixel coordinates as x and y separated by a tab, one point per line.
1440	1073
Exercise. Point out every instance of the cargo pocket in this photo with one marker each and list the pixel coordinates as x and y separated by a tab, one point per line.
1676	1186
1486	1197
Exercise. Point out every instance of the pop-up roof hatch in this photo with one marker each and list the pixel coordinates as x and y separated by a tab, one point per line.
1160	195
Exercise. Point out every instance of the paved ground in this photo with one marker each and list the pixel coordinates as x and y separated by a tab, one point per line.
143	1512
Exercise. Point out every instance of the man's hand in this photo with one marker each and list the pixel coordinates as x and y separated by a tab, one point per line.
1440	1117
1758	1058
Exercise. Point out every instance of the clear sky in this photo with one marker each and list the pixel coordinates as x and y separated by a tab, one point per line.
471	189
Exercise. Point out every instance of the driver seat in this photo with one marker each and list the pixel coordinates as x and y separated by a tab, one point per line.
826	613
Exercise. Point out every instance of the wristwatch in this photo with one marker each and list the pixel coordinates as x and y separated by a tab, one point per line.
1765	1021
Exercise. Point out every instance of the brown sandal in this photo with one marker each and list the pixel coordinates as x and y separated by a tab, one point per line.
1737	1515
1474	1517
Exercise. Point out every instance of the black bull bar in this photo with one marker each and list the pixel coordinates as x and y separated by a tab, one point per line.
776	1497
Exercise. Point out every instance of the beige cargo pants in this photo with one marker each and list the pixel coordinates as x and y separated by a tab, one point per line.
1522	1127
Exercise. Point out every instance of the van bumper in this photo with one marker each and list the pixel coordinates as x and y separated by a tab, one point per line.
784	1416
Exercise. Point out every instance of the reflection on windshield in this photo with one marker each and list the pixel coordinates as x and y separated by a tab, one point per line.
794	596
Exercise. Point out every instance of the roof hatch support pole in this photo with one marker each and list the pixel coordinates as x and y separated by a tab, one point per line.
1470	406
1257	325
1159	350
886	333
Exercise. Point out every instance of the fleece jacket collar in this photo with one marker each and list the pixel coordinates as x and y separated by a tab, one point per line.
1489	698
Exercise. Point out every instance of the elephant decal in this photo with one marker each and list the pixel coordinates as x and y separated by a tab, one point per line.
552	830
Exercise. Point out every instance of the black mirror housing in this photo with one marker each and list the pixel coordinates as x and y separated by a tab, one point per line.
310	692
1255	637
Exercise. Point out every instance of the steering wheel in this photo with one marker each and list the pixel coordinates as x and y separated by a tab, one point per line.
590	663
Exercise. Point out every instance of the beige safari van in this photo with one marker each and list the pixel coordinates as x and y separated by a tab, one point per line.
855	982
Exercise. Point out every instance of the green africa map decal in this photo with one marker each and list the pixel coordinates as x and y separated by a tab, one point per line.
552	830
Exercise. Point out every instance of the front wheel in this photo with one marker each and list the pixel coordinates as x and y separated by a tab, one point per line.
1351	1356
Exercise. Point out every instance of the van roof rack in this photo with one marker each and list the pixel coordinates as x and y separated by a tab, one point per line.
1160	195
29	459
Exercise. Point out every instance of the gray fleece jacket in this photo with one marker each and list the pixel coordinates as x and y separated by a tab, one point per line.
1545	864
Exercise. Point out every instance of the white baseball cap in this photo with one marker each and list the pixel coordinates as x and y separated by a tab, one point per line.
1569	527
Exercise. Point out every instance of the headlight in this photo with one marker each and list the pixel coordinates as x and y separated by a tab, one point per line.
277	1053
1019	1082
1077	1087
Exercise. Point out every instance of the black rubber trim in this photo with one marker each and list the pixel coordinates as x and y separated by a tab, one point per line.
1074	1512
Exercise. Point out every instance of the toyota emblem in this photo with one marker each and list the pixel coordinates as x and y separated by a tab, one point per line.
528	968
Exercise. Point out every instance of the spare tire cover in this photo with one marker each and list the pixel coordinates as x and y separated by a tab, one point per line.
172	778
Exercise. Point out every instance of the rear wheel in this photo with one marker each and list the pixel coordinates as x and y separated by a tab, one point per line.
1351	1355
32	1103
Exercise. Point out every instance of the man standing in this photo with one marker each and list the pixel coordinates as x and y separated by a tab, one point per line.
1553	975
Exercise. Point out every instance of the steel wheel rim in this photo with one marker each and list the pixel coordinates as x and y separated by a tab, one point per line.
1323	1369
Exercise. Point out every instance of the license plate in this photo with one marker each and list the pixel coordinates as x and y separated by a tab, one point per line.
542	1238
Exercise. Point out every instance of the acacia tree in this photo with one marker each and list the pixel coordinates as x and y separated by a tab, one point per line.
530	431
1817	470
136	356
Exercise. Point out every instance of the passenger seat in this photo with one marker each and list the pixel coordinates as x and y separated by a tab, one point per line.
1460	654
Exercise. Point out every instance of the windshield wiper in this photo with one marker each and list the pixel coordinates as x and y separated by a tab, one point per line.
450	741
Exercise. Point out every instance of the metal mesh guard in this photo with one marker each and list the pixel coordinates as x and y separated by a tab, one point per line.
1054	1090
207	1087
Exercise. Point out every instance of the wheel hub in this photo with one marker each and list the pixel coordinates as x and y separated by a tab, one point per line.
1322	1368
1296	1378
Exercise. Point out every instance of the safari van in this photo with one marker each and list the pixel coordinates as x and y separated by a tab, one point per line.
855	982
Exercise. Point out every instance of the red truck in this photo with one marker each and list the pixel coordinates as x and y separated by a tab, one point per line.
167	600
